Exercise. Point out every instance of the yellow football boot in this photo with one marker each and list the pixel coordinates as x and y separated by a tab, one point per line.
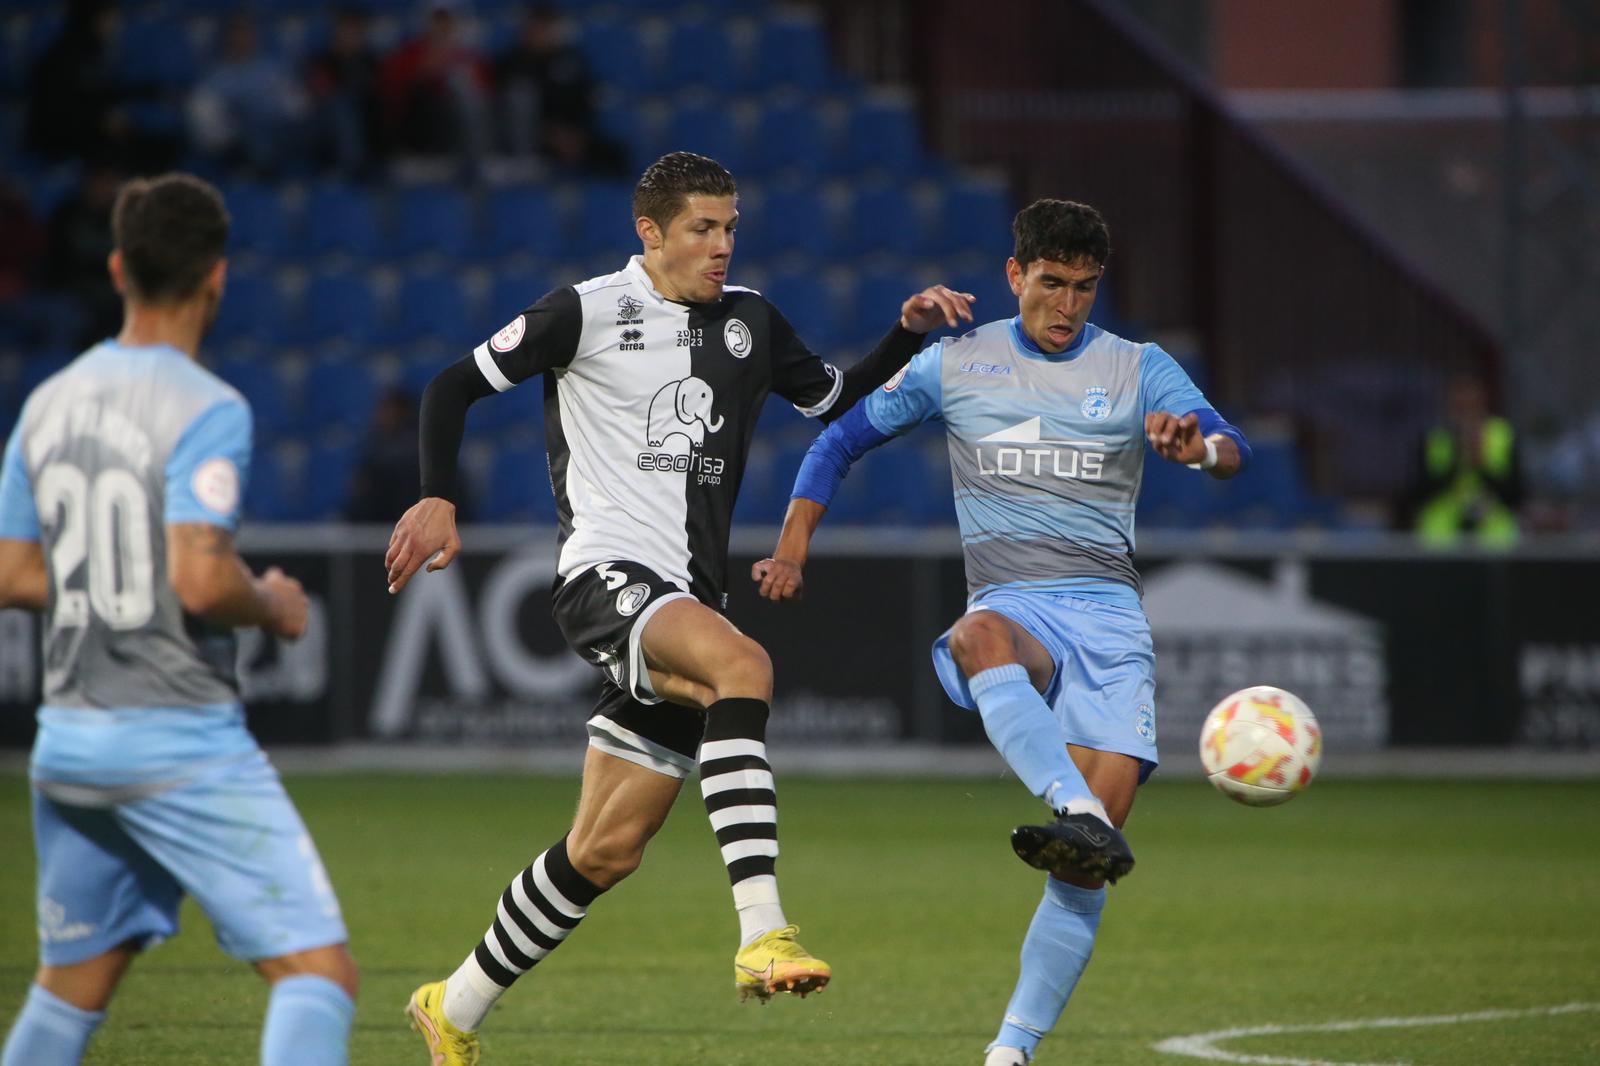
447	1045
775	963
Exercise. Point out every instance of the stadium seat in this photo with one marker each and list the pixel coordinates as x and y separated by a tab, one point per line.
156	53
702	53
792	219
524	221
878	296
340	218
809	305
434	307
627	53
340	394
911	482
712	128
604	217
252	307
1173	496
790	138
974	216
791	52
273	492
427	219
512	291
340	305
883	218
260	223
333	464
881	136
519	486
273	402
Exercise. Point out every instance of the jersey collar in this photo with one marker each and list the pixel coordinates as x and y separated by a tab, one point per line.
636	268
1020	337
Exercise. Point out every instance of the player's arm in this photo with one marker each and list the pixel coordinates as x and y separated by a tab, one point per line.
543	337
822	391
211	581
1198	436
904	402
24	581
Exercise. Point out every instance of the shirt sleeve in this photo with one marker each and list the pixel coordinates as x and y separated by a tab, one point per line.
210	467
543	337
19	514
1165	388
800	375
911	397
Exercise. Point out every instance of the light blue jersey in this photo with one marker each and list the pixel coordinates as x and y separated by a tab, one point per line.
1046	450
107	453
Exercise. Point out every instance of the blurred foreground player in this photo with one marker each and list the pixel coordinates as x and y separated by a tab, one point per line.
125	472
653	379
1044	416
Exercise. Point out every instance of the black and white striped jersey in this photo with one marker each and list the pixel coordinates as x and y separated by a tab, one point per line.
650	406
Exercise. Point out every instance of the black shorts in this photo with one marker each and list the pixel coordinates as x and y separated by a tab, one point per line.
602	613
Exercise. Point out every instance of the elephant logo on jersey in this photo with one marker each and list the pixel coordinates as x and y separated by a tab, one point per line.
681	409
736	335
1096	408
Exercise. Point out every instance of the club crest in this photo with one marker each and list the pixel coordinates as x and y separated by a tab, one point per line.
1095	407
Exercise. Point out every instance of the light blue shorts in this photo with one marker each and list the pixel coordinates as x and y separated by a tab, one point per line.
230	837
1104	688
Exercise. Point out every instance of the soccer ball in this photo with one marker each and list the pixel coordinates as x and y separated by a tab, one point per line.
1261	746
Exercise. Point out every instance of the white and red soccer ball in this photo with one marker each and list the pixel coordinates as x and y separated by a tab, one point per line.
1261	746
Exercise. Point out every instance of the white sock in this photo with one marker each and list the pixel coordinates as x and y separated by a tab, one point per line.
756	900
1087	805
468	995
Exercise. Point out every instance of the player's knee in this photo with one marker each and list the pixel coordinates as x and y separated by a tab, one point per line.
606	859
976	638
745	671
333	963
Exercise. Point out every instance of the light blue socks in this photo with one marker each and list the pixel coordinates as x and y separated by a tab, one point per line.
49	1032
308	1023
1026	734
1054	954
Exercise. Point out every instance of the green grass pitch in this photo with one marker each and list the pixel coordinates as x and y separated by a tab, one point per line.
1359	900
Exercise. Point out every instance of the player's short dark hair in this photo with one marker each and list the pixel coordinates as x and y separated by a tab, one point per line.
666	185
171	230
1062	231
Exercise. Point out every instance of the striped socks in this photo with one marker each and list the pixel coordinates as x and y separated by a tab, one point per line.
736	782
537	911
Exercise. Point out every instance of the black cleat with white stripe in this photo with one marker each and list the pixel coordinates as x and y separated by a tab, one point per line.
1074	845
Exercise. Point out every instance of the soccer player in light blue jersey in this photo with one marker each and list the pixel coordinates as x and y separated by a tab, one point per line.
119	498
1046	418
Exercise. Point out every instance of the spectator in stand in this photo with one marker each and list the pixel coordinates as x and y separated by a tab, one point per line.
435	90
547	98
79	242
248	109
386	480
1470	484
343	85
76	105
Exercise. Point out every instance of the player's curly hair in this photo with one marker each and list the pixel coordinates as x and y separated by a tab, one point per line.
666	185
1062	231
171	230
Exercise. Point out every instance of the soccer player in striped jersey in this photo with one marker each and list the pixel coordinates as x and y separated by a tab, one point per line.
119	498
653	379
1046	417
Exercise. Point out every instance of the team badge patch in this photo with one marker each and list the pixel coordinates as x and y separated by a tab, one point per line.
899	376
630	599
1145	722
216	486
511	336
1095	407
736	335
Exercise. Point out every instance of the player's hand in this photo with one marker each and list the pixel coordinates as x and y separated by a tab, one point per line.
779	579
936	306
427	531
287	604
1174	438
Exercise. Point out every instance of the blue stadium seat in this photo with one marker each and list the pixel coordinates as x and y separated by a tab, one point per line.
340	305
975	216
911	483
340	218
790	138
524	221
793	219
340	394
519	486
711	128
626	54
260	223
331	465
988	283
273	492
510	292
605	216
700	53
429	219
878	296
252	307
883	218
434	307
792	53
881	135
1173	496
156	52
809	305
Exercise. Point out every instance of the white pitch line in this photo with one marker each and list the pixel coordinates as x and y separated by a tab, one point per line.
1202	1045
